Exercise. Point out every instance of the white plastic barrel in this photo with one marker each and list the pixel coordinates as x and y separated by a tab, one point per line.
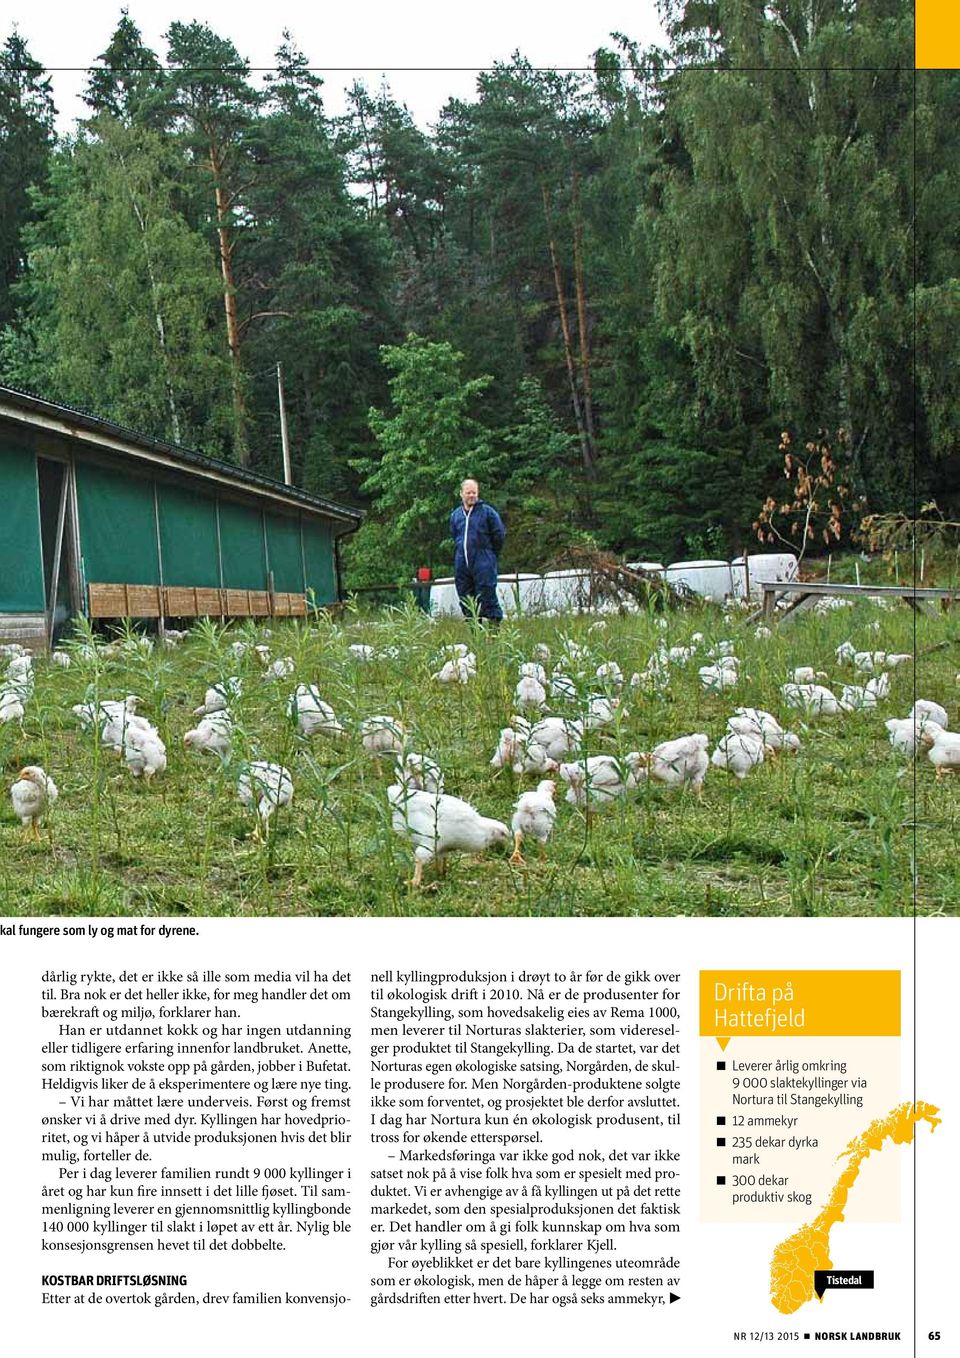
709	579
762	568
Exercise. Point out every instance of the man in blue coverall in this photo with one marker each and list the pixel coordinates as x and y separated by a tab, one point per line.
478	533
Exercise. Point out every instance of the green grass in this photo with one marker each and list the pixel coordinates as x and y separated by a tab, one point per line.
837	830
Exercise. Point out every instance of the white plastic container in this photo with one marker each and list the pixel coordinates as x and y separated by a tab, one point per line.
709	579
444	602
566	591
762	567
443	598
520	592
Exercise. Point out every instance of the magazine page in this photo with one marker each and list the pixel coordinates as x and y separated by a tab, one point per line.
240	1129
479	679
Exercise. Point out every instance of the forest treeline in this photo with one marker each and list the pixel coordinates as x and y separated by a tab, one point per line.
604	293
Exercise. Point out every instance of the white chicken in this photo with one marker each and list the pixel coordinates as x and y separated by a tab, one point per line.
381	735
364	654
20	678
510	750
532	669
115	710
212	735
219	696
563	687
537	761
86	714
923	707
312	714
62	659
909	734
601	712
437	824
534	814
738	752
806	674
602	778
610	674
419	773
32	793
557	737
680	763
11	706
530	693
282	668
121	718
20	671
655	678
754	721
144	751
868	662
460	670
135	645
263	787
723	675
857	698
845	653
812	699
944	753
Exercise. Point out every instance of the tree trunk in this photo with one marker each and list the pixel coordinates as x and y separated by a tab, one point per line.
157	313
230	308
582	323
586	454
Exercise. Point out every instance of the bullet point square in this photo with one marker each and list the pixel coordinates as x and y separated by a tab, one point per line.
721	1178
721	1065
721	1140
721	1122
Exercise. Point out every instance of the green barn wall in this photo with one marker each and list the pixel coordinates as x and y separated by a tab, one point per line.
318	550
21	553
118	519
241	546
283	546
118	530
188	537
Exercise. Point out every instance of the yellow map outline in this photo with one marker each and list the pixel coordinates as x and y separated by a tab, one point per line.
796	1259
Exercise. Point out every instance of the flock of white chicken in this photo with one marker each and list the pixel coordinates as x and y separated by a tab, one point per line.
551	746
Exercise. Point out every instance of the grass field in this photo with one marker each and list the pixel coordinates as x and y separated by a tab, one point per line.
838	829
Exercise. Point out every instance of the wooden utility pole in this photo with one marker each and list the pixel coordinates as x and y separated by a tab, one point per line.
284	437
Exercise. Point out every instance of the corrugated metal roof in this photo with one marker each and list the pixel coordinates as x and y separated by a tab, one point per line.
16	404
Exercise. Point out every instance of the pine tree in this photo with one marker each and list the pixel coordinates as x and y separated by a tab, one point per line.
26	140
209	94
118	302
127	83
315	295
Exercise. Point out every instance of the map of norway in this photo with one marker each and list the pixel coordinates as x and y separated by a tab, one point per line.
797	1259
